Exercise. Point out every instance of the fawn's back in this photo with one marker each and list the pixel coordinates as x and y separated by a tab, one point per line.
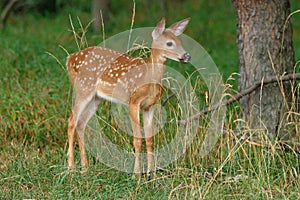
110	74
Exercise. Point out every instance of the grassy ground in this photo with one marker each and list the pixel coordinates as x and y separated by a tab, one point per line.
36	101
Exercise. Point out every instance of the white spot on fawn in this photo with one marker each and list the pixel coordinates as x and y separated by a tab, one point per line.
140	75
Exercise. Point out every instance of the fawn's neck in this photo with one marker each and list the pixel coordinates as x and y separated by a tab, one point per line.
157	57
158	63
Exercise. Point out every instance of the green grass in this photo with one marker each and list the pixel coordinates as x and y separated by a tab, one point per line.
36	98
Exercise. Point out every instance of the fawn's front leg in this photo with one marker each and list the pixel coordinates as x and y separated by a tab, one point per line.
149	136
137	136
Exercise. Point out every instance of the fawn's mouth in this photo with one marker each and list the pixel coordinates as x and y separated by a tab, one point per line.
185	58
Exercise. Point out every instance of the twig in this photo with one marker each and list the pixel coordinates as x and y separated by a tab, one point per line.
280	145
167	99
245	92
8	8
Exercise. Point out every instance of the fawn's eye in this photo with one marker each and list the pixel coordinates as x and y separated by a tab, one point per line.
169	44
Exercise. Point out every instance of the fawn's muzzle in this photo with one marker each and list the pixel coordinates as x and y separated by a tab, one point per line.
185	58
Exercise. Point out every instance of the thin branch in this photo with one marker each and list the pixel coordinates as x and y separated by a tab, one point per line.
167	99
245	92
8	8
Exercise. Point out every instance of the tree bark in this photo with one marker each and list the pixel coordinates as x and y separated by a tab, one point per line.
265	50
99	6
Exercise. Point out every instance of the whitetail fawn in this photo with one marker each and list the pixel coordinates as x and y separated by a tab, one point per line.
98	73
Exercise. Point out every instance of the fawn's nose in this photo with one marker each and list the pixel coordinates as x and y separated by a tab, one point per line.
185	58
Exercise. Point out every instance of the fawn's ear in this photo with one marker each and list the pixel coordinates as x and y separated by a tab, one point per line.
178	27
159	29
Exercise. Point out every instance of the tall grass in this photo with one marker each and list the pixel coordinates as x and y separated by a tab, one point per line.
36	100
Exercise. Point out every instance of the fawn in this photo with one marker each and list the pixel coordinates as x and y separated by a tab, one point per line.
97	73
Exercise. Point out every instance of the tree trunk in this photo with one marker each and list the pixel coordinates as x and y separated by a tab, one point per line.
99	6
265	49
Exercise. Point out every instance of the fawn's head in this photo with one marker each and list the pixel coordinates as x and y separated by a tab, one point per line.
166	42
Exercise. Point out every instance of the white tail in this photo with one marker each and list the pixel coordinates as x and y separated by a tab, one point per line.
98	73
